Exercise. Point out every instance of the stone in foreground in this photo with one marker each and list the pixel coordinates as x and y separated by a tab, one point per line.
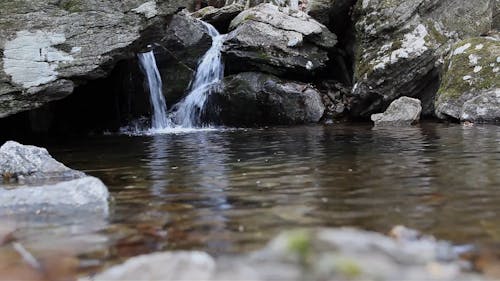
35	183
163	266
404	111
319	254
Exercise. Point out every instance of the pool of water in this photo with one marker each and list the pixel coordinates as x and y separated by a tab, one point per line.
230	191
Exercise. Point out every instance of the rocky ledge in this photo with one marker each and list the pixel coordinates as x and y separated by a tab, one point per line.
35	183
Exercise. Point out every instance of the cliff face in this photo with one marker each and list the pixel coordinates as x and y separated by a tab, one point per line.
49	47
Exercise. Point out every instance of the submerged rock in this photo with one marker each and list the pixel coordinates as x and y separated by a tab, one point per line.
401	45
469	90
49	47
278	41
34	182
319	254
404	111
252	98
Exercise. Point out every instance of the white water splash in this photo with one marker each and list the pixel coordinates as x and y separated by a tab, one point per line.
159	119
187	113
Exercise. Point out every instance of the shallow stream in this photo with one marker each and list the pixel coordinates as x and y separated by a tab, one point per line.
230	191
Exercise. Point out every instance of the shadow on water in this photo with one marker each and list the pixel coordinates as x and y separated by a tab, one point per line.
231	191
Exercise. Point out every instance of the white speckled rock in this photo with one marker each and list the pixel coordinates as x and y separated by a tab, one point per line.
470	86
404	111
401	45
48	47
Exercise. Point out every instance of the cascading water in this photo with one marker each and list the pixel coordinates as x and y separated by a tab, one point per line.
159	119
187	113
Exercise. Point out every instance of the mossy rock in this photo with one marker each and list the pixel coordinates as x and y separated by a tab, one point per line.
471	68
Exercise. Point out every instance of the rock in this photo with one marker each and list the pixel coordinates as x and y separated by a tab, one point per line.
47	48
162	266
185	42
400	46
35	182
404	111
82	195
220	18
278	41
319	254
469	90
251	98
31	163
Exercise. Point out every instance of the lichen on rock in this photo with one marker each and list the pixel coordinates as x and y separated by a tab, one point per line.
471	75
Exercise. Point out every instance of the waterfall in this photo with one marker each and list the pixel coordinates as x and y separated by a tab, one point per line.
159	119
187	113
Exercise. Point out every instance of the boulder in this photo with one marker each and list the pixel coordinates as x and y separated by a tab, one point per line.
319	254
277	41
34	182
220	18
469	90
28	163
404	111
401	45
250	98
49	47
184	43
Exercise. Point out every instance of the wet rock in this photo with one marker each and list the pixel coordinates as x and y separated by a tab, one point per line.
82	195
220	18
186	40
401	45
404	111
30	163
49	47
277	41
34	182
163	266
252	98
469	90
319	254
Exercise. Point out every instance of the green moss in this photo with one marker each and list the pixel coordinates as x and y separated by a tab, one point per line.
299	243
348	267
458	66
72	6
434	34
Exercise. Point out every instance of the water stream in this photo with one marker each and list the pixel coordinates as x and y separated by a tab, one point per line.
159	119
210	71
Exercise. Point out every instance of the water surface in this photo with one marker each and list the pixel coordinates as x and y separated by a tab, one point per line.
230	191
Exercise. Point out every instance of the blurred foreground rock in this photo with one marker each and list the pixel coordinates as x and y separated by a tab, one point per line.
321	254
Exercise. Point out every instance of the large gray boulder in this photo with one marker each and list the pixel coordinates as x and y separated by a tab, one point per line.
34	183
404	111
251	98
277	41
48	47
470	87
401	45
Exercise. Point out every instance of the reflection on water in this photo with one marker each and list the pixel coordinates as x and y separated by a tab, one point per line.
230	191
